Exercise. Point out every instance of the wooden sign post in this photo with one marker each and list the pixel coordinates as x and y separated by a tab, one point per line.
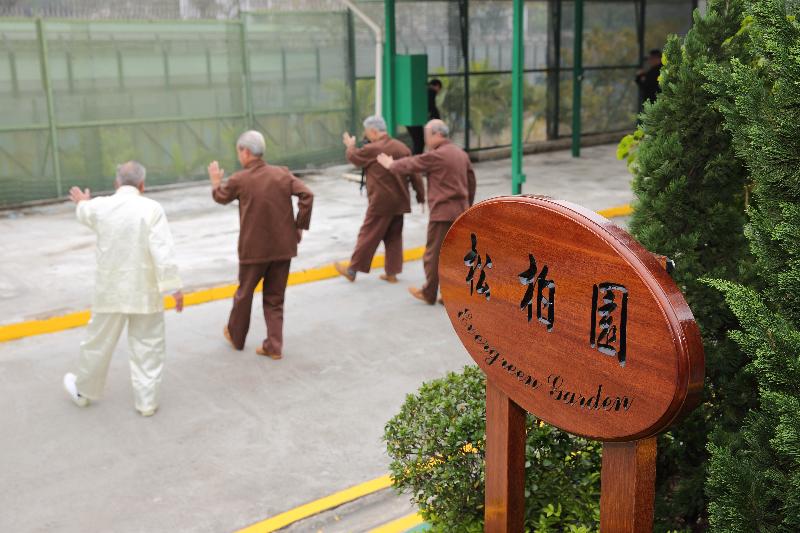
574	321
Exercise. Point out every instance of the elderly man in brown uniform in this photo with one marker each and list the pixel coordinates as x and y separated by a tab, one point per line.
268	236
388	199
451	191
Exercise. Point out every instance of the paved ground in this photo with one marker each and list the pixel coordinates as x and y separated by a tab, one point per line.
48	258
238	438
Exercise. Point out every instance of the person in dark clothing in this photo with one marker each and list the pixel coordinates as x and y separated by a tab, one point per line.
417	133
434	86
647	78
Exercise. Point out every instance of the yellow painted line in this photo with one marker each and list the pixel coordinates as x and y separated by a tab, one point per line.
19	330
318	506
618	211
400	525
40	327
78	319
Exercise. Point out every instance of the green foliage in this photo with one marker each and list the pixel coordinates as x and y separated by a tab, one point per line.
690	206
437	444
754	481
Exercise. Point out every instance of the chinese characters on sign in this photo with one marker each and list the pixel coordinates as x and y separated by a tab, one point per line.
609	340
475	264
543	303
609	302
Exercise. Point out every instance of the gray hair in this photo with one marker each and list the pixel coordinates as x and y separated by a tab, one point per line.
375	122
253	141
131	173
440	128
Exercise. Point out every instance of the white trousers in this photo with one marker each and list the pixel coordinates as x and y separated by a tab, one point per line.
148	350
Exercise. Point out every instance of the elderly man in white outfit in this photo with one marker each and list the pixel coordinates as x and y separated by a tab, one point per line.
135	266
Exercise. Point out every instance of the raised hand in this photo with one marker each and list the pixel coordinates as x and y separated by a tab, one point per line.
77	196
178	296
348	140
215	173
385	160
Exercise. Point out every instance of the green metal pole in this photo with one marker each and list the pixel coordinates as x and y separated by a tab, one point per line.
351	69
248	90
388	68
465	48
517	109
577	79
51	113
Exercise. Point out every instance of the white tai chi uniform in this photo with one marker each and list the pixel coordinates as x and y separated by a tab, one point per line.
135	265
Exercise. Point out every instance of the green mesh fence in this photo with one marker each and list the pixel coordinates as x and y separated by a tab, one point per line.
176	94
173	95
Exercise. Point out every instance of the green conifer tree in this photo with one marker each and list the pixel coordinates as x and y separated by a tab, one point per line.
754	480
690	206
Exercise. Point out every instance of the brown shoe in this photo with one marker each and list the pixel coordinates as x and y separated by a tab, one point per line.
226	332
417	293
261	351
341	269
391	278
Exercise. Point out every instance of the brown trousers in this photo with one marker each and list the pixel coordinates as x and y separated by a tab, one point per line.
377	228
275	275
436	233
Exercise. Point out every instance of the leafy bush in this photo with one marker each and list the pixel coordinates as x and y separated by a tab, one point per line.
437	445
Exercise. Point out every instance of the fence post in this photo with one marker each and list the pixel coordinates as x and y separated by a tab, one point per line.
351	70
577	79
48	89
517	107
463	16
389	52
248	94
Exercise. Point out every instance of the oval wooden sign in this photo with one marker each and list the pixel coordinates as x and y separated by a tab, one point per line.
571	317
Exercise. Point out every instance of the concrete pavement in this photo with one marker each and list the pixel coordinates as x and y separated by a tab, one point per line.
48	258
238	437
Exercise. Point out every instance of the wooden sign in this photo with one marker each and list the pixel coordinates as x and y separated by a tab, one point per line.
574	321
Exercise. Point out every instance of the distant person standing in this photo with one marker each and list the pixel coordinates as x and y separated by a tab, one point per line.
388	198
416	132
451	191
647	78
434	87
135	265
268	236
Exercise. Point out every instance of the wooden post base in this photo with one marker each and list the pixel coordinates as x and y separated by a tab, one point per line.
505	463
627	482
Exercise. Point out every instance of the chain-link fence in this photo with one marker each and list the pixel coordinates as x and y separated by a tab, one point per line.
174	94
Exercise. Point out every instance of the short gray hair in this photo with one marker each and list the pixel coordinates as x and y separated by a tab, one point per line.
440	128
253	141
131	173
375	122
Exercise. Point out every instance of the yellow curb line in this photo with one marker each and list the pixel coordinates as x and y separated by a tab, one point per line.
78	319
19	330
318	506
618	211
400	525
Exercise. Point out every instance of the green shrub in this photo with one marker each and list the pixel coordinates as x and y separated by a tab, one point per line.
691	190
754	475
437	446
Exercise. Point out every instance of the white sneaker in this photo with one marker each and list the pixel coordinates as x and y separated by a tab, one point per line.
149	412
72	390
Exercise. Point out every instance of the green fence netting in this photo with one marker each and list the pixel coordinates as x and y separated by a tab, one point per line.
175	94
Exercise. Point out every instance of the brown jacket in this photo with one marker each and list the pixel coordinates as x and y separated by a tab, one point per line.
387	193
451	180
267	225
